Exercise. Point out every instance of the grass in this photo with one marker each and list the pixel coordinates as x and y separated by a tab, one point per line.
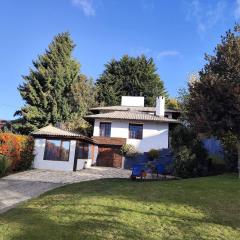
201	208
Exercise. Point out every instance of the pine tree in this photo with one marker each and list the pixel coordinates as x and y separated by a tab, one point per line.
129	76
84	97
47	89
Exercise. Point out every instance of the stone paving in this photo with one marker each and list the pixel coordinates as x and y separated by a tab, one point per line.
22	186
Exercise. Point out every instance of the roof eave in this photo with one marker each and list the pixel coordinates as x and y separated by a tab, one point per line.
143	120
54	136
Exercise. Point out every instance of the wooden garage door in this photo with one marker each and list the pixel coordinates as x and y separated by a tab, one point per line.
108	156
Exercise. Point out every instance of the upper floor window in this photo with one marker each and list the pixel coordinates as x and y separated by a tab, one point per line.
135	131
57	150
105	129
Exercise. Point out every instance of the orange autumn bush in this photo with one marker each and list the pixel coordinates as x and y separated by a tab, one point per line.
18	149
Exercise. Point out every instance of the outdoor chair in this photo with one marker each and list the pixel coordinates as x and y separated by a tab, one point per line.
138	171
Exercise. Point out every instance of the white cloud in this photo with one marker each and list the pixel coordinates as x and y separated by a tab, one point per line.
86	6
168	53
206	14
237	10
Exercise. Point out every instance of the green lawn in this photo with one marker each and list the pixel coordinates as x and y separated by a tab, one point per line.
201	208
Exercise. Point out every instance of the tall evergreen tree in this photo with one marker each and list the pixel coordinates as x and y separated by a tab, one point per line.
84	97
47	89
129	76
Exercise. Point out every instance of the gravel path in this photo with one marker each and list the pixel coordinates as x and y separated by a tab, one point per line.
20	187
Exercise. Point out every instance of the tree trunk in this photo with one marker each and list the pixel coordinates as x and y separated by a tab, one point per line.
238	150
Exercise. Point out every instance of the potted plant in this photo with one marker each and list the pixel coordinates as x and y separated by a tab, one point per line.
153	154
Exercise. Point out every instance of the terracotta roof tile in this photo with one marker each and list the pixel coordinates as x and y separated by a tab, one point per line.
51	131
131	115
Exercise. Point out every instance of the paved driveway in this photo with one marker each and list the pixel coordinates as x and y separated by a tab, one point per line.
22	186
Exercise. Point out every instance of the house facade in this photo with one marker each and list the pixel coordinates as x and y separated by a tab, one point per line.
143	127
130	123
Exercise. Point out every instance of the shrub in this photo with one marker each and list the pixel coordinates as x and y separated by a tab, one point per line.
153	154
18	149
128	150
230	153
26	155
10	147
5	165
191	158
185	163
216	164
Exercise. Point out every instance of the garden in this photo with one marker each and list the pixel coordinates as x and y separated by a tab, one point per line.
187	157
16	153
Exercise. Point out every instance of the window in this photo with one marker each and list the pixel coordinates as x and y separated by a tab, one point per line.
82	150
57	150
135	131
105	129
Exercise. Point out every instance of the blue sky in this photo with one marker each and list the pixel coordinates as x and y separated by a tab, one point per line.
175	33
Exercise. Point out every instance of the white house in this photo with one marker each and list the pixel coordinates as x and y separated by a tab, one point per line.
144	127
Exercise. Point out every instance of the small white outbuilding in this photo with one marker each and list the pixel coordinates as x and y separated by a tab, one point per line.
59	149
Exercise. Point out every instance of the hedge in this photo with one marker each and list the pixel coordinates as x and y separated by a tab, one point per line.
18	149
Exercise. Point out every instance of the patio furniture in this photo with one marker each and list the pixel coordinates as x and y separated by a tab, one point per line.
138	170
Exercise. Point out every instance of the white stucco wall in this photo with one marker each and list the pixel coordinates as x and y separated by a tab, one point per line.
155	135
54	165
132	101
40	163
95	154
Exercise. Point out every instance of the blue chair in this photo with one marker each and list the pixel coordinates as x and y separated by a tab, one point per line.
137	171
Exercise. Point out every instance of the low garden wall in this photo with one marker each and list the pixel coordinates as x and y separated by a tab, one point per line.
165	158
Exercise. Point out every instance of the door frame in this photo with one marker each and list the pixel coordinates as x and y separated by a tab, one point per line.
75	157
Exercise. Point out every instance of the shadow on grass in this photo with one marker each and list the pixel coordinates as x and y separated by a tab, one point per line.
90	228
216	197
109	208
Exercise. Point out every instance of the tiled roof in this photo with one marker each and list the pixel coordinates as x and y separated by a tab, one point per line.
130	115
51	131
127	108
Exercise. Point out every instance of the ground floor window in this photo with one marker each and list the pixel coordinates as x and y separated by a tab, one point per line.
82	150
57	150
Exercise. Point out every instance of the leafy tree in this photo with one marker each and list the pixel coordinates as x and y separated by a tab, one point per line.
129	76
47	90
213	104
172	103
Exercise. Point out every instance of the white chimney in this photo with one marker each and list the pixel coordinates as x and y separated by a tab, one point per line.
160	106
